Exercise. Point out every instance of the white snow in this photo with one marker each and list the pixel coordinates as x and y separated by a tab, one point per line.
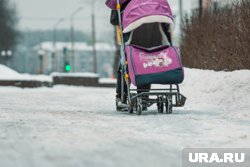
76	74
6	71
9	74
78	126
107	80
227	91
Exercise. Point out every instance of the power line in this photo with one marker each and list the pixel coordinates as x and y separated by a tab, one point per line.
56	18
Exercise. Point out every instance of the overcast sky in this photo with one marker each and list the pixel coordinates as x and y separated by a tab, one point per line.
43	14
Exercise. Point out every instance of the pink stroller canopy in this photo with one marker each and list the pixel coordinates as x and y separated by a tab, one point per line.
139	12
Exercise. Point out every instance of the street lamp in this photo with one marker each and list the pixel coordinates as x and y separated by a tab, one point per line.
6	54
3	53
9	53
181	9
73	36
54	44
200	7
55	28
94	37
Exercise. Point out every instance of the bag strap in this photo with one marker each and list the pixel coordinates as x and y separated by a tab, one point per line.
165	28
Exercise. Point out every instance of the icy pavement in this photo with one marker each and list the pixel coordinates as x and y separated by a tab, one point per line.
78	127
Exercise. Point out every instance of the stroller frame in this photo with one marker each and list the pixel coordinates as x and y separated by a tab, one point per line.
134	101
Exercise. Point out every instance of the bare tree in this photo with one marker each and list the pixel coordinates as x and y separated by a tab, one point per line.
218	39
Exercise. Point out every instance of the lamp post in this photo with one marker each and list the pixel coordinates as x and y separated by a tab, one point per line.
181	9
3	53
6	54
55	63
93	37
9	53
200	7
41	53
72	36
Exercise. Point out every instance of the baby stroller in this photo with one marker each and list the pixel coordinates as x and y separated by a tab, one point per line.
148	56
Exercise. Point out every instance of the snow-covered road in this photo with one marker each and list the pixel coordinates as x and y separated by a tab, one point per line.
78	126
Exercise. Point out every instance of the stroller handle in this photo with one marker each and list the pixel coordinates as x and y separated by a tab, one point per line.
118	2
118	8
118	5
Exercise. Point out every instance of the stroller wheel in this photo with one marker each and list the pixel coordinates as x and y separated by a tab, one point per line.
160	105
139	106
169	105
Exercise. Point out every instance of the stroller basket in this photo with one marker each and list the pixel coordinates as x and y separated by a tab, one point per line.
160	65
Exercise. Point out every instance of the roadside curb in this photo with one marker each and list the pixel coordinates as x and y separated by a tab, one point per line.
59	80
81	81
26	83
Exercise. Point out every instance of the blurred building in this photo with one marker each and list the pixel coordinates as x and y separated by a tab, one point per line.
212	4
52	57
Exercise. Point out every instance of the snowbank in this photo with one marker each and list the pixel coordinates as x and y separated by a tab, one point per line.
9	74
228	91
77	74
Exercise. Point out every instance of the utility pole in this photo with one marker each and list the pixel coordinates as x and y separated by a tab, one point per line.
72	36
94	38
200	7
40	53
181	10
55	64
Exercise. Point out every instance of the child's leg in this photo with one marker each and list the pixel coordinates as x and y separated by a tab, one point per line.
118	84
